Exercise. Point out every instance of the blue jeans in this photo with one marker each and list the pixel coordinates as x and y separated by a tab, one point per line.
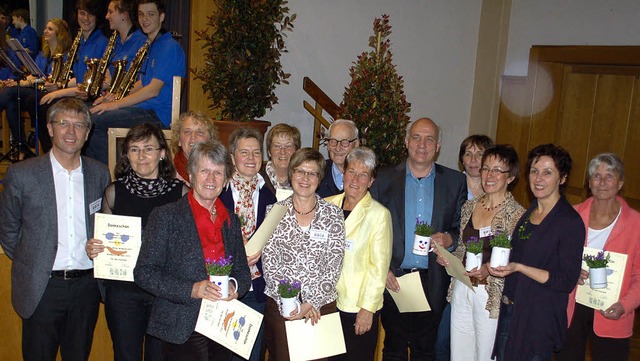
97	144
250	300
443	340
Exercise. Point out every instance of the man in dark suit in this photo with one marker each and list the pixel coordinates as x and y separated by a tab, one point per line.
52	284
418	189
343	136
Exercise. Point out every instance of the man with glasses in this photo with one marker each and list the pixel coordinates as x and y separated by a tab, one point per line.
418	190
52	284
343	136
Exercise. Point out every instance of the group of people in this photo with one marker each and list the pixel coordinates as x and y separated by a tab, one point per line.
141	59
346	234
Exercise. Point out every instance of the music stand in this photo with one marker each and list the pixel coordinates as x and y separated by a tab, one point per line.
32	67
4	57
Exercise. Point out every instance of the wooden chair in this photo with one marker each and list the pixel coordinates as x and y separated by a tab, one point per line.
116	135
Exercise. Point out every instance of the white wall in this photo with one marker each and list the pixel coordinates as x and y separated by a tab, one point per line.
434	46
569	22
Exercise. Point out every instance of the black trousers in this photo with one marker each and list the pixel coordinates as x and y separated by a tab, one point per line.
359	347
602	348
66	318
415	330
197	348
127	310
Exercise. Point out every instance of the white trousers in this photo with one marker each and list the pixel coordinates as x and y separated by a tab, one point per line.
472	331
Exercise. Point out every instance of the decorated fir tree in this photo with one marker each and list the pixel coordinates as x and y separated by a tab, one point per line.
375	98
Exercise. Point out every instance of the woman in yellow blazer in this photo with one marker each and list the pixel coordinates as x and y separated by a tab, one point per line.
367	256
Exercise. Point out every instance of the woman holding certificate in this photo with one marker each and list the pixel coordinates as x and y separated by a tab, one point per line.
181	241
367	256
474	313
248	195
611	226
305	250
544	264
145	179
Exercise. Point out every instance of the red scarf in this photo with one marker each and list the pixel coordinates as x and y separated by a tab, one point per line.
180	161
210	232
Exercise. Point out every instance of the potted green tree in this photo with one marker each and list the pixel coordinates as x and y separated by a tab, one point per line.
375	98
244	40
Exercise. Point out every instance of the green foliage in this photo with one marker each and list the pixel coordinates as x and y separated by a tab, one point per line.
474	245
500	239
244	40
423	229
375	98
597	261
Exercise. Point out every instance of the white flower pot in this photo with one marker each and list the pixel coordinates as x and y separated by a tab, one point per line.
223	283
287	305
598	277
421	245
473	261
499	256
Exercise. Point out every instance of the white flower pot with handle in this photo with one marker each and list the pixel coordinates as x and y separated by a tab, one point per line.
421	245
223	283
598	278
473	261
287	305
499	256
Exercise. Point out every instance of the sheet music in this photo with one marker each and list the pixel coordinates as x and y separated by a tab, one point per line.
25	58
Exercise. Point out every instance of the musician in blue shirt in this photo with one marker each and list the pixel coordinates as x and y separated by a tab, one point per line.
150	98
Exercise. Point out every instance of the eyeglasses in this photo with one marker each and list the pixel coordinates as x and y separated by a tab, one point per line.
286	148
144	151
302	174
343	142
64	124
360	176
494	171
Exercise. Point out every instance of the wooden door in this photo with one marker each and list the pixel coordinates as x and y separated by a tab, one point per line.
585	99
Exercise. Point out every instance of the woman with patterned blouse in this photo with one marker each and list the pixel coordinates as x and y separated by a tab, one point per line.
307	246
474	314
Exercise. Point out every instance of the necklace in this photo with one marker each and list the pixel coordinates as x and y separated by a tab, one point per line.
482	203
305	213
522	229
213	213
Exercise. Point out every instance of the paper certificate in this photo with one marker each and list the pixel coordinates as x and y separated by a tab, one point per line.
282	194
411	297
455	268
261	236
324	339
232	324
603	298
121	237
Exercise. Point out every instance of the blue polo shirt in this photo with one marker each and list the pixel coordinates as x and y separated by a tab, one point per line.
165	60
29	39
127	50
418	205
91	48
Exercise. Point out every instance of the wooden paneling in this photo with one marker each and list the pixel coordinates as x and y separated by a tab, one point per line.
197	98
585	99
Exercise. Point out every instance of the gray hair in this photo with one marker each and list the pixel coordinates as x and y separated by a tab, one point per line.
243	133
408	129
612	161
347	122
70	105
364	155
215	152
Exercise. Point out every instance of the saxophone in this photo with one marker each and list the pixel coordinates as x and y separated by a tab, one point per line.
119	70
121	89
65	74
97	69
56	69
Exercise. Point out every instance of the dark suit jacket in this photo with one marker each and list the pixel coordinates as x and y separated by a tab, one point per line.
327	187
171	261
265	198
29	227
450	193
